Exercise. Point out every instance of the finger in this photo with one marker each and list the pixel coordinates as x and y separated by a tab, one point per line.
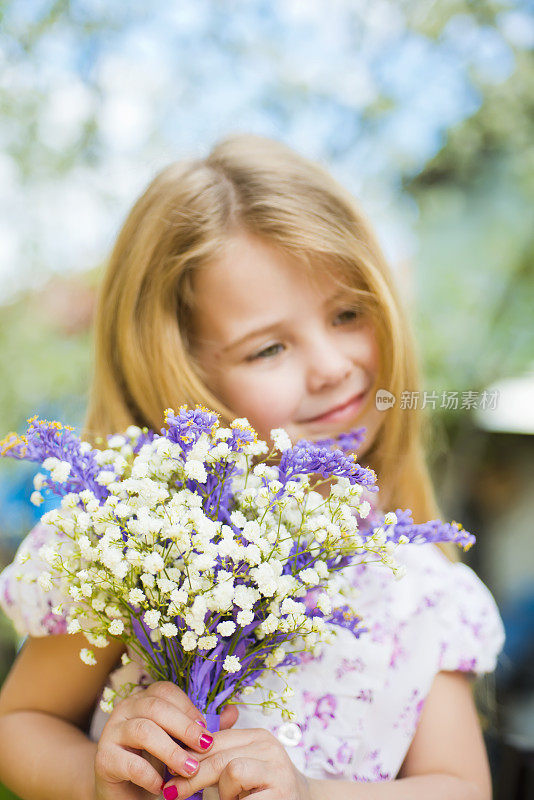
142	733
243	775
114	764
212	767
229	716
172	720
173	694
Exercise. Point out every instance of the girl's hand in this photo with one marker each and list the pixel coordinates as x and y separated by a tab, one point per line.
144	722
246	762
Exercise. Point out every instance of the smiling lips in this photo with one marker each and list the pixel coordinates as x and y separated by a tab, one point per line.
340	412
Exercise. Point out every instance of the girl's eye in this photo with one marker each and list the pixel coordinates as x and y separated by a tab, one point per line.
353	311
262	353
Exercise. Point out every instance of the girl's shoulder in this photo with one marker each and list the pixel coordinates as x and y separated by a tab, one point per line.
438	599
28	603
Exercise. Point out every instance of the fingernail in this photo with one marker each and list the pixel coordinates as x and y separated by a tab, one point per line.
201	722
191	765
205	741
170	793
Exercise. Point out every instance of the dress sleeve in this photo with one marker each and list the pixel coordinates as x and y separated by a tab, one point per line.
22	599
470	628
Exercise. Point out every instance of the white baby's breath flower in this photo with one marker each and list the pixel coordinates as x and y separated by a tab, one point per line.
125	659
105	477
85	447
109	693
238	518
60	472
136	596
165	585
106	706
270	624
45	581
247	690
151	618
309	576
153	563
168	629
123	510
281	439
116	627
87	656
133	431
207	642
148	580
189	640
364	508
70	500
97	640
240	422
179	596
73	626
379	536
226	628
324	604
289	606
244	618
195	470
39	481
116	441
231	664
98	604
36	498
403	539
390	518
50	463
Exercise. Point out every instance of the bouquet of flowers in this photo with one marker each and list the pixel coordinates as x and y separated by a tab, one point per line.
199	560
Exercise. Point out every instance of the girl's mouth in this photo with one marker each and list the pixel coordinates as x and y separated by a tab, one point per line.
343	412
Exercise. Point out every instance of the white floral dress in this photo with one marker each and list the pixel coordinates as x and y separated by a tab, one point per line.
358	703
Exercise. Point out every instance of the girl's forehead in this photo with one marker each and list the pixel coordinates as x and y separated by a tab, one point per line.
252	275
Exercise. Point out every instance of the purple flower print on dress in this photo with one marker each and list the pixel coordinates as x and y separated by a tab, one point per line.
467	664
409	716
349	665
325	710
345	754
54	624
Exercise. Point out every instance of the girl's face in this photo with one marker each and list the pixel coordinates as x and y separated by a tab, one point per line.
317	354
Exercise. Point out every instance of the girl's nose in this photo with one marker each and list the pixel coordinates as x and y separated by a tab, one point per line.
327	366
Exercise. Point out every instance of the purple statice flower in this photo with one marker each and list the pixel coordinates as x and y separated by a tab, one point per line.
145	437
45	439
308	457
348	441
427	532
186	427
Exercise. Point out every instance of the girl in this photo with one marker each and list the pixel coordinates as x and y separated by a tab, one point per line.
250	282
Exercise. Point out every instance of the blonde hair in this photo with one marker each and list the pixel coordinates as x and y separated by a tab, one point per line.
143	334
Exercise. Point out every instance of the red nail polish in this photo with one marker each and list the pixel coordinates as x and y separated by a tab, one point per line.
191	765
201	722
205	741
170	793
